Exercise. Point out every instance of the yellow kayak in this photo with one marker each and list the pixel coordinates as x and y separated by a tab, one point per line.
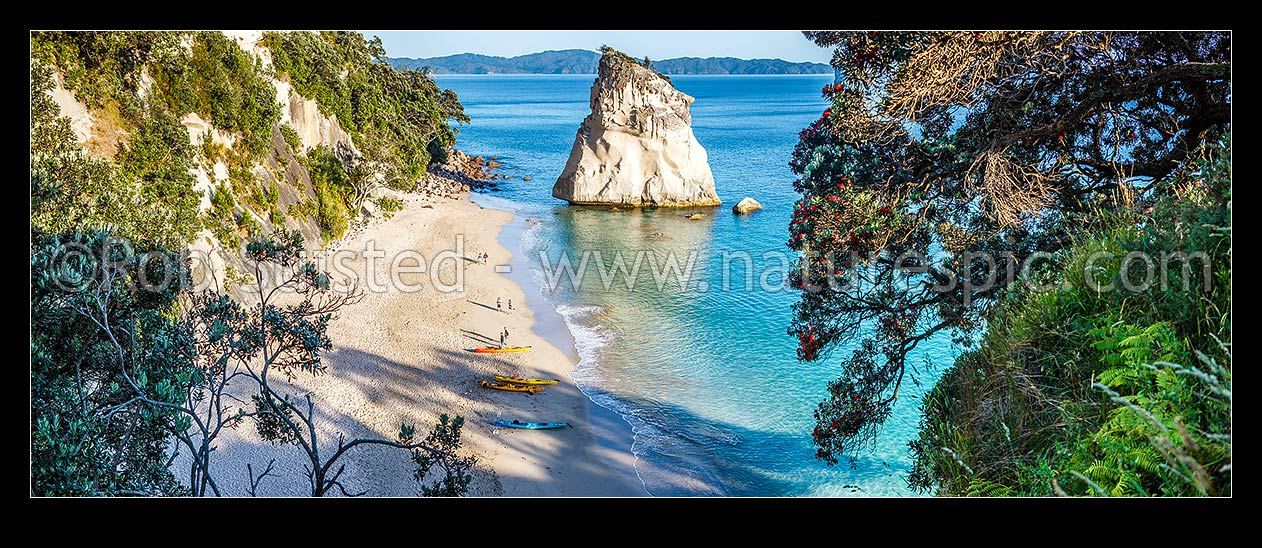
511	387
520	380
494	350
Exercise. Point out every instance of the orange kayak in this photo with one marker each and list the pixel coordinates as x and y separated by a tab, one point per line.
493	350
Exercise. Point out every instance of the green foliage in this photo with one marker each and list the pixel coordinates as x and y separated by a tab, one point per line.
255	194
272	195
272	339
441	456
148	195
440	147
333	215
223	222
221	83
120	369
606	49
333	192
103	67
249	224
85	439
307	209
292	139
252	188
647	63
401	112
160	157
399	117
968	154
212	151
270	425
389	206
1083	389
223	201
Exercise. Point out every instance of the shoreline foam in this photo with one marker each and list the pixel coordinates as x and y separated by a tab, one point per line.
403	357
555	327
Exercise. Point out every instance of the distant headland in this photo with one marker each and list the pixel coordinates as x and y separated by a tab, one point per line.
578	61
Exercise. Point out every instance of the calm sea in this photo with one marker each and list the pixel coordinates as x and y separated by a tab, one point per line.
702	371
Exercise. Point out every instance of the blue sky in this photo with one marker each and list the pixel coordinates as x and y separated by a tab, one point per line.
657	44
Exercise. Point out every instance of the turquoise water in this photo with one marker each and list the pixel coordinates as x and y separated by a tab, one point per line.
703	372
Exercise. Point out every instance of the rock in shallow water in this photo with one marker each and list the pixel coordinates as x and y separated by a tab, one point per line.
745	206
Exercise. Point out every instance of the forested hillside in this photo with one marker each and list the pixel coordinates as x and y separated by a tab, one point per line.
249	148
578	61
244	123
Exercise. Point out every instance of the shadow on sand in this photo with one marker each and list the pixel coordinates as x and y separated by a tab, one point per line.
683	463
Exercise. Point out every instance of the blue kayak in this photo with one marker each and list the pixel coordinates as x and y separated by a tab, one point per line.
531	425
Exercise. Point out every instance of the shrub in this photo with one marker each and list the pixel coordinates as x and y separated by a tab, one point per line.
402	112
389	206
249	225
103	67
83	443
440	147
304	210
223	84
1075	390
222	220
452	470
212	151
159	156
334	217
292	139
149	195
333	192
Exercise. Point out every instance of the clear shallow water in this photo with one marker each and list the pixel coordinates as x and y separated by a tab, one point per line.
708	379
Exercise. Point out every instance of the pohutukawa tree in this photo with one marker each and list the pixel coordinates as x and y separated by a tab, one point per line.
129	371
948	158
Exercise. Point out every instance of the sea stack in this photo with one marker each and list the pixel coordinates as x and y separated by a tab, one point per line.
636	148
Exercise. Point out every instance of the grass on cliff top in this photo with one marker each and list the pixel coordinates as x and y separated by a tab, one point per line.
646	62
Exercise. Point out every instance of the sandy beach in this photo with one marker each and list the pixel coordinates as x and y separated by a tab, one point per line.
402	355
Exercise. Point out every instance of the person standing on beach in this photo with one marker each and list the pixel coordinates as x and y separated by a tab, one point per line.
510	304
497	305
505	333
501	339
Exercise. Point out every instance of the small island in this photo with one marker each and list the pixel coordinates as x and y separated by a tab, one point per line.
636	148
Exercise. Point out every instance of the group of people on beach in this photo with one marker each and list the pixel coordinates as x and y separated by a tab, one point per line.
498	306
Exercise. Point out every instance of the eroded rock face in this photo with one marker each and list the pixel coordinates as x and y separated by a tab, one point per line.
315	129
637	146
